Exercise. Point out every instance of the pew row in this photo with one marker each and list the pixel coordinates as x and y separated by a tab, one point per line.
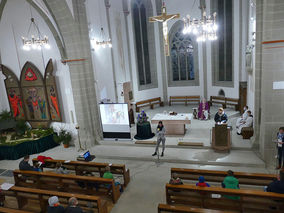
217	198
67	183
163	208
25	195
8	210
185	99
256	179
80	166
148	102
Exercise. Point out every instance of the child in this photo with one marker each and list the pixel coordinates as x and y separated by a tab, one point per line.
175	180
201	182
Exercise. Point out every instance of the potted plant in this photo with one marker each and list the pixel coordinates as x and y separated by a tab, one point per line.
63	137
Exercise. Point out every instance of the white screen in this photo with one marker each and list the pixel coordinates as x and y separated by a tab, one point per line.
115	117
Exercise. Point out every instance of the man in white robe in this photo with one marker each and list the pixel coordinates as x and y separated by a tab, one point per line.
247	123
242	119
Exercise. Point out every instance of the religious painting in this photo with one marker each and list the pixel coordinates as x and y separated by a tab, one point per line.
51	91
36	104
13	93
34	96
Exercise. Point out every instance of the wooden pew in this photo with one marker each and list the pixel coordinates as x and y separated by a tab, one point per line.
256	179
218	100
149	102
80	166
214	198
8	210
232	102
185	99
163	208
25	195
67	183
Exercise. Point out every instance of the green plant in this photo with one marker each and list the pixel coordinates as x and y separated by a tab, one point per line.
3	139
5	115
21	127
62	137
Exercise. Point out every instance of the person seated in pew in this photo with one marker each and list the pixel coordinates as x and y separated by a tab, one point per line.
246	123
109	175
175	180
243	117
230	182
59	169
201	182
54	205
277	185
221	117
73	206
24	164
203	110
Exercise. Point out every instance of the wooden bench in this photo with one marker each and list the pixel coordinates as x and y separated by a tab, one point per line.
232	102
185	99
218	100
256	179
247	132
67	183
25	195
79	166
215	198
8	210
148	102
163	208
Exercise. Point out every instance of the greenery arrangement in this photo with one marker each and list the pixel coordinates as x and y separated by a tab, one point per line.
63	136
21	127
5	115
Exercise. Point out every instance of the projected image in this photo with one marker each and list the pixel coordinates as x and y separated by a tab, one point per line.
114	114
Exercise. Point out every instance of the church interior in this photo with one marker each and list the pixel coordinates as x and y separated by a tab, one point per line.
122	106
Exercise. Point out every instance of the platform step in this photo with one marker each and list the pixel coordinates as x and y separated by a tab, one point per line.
190	143
146	142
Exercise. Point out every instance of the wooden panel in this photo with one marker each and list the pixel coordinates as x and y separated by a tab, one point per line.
186	209
273	42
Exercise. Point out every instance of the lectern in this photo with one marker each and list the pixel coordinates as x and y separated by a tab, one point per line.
221	137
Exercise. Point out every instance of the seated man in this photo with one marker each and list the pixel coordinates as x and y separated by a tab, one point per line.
54	205
221	117
175	180
246	123
24	164
230	182
109	175
242	118
203	110
73	206
277	186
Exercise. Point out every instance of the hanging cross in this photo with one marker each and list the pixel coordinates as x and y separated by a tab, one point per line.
164	18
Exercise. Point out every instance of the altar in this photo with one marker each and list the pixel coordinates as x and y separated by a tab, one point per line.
174	124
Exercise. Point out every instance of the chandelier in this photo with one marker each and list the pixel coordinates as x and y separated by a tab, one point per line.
34	41
104	42
204	29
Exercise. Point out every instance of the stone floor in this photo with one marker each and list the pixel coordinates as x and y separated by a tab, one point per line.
150	174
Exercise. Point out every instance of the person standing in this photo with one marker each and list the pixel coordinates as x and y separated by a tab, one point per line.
220	116
280	147
160	138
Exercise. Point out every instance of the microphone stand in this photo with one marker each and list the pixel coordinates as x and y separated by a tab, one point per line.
80	146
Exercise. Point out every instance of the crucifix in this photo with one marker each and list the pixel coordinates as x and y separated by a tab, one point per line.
164	18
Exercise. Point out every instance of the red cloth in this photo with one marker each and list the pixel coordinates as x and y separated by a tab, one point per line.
42	158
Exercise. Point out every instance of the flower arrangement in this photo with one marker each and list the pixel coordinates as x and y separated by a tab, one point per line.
142	117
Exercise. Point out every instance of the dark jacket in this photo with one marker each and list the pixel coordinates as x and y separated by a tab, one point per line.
55	209
223	118
276	186
76	209
24	165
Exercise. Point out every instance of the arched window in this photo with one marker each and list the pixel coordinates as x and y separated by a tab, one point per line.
222	49
183	59
144	43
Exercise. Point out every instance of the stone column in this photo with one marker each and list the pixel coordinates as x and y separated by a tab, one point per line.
76	38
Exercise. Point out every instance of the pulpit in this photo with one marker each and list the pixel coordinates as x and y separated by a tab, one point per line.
221	137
